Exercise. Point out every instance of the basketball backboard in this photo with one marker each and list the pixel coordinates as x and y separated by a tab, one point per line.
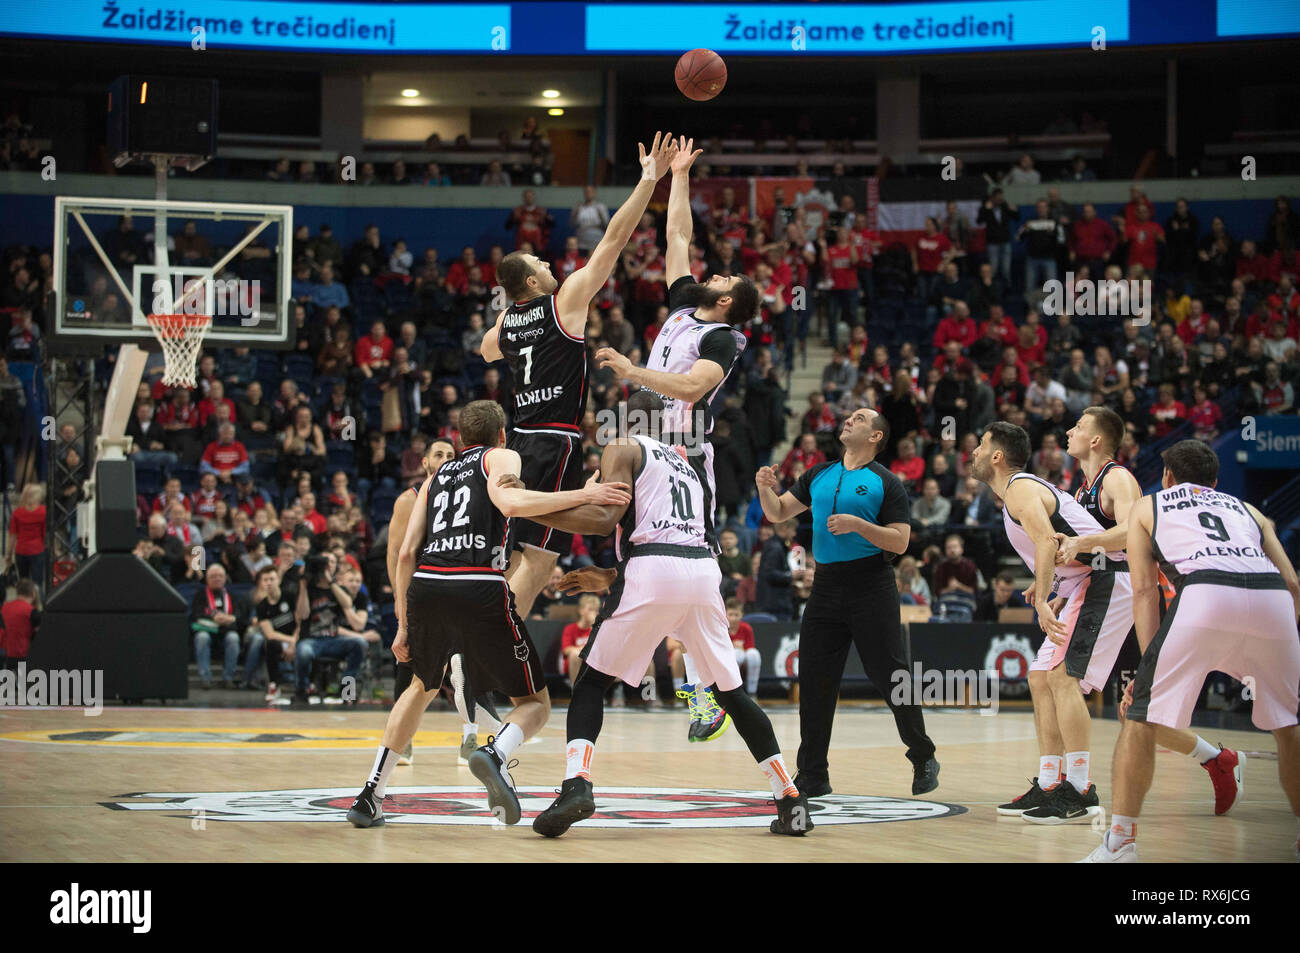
116	261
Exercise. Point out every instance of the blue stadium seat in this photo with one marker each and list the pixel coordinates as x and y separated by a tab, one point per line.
148	479
188	590
188	475
264	473
339	454
397	295
381	504
759	617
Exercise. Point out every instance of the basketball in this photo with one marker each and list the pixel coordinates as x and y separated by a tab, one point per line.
701	74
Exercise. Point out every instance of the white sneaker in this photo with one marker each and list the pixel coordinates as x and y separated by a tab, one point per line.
1128	854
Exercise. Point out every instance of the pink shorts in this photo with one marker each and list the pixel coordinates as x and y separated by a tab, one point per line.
661	596
1098	615
1248	633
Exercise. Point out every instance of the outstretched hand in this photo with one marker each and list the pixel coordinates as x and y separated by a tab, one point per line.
686	155
662	152
587	579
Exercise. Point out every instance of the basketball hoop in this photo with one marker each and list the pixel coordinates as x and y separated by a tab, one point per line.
181	336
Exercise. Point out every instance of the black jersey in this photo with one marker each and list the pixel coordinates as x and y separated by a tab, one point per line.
549	366
1089	496
465	534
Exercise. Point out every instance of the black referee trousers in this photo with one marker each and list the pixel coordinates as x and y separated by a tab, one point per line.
852	603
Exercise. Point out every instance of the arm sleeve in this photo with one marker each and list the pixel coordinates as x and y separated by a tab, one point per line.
893	508
678	293
802	489
720	348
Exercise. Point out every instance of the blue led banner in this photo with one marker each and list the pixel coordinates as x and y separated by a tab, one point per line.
269	24
857	28
573	28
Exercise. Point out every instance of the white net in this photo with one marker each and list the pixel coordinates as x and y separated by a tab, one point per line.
181	336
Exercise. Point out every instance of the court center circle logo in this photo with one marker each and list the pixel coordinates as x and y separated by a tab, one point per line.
617	807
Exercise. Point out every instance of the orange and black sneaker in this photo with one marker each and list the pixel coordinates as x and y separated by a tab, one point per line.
1034	797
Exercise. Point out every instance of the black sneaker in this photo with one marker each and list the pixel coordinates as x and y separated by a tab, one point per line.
574	804
810	786
925	777
301	698
792	816
367	810
490	768
1065	805
1034	797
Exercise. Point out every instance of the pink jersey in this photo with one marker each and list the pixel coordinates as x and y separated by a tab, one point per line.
1069	518
667	501
1197	529
675	351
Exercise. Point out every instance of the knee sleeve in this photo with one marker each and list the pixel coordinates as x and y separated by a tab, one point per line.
587	707
753	725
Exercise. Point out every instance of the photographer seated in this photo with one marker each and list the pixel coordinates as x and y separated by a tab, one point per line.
323	607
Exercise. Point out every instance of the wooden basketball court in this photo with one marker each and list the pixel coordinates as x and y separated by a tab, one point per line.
74	789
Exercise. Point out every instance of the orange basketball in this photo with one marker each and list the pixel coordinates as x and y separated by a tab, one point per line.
701	74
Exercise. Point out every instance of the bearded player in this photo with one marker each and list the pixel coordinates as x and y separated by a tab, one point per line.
542	336
439	452
694	353
1108	493
1080	647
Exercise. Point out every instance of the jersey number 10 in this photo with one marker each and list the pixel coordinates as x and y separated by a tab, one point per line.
681	497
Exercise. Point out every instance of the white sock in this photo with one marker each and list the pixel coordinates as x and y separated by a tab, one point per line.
1123	830
1204	751
510	737
678	682
1049	771
779	777
577	759
385	761
1076	769
692	676
467	729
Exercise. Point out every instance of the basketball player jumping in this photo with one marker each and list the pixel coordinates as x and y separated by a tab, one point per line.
1081	646
668	584
542	336
1235	612
439	452
1108	493
692	357
457	612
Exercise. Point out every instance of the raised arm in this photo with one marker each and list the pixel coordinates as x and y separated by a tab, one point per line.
677	260
619	462
490	346
513	501
777	509
581	286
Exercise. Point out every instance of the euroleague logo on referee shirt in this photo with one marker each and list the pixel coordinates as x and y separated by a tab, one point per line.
460	806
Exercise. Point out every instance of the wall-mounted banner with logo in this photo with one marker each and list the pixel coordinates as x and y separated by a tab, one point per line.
1276	443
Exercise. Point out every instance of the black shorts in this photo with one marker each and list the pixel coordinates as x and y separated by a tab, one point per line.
549	462
477	620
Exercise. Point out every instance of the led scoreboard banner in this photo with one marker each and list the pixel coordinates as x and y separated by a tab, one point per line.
618	29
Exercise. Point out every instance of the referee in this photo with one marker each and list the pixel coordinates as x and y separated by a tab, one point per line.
859	513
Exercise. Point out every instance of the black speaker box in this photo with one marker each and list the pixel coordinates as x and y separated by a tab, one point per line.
115	515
